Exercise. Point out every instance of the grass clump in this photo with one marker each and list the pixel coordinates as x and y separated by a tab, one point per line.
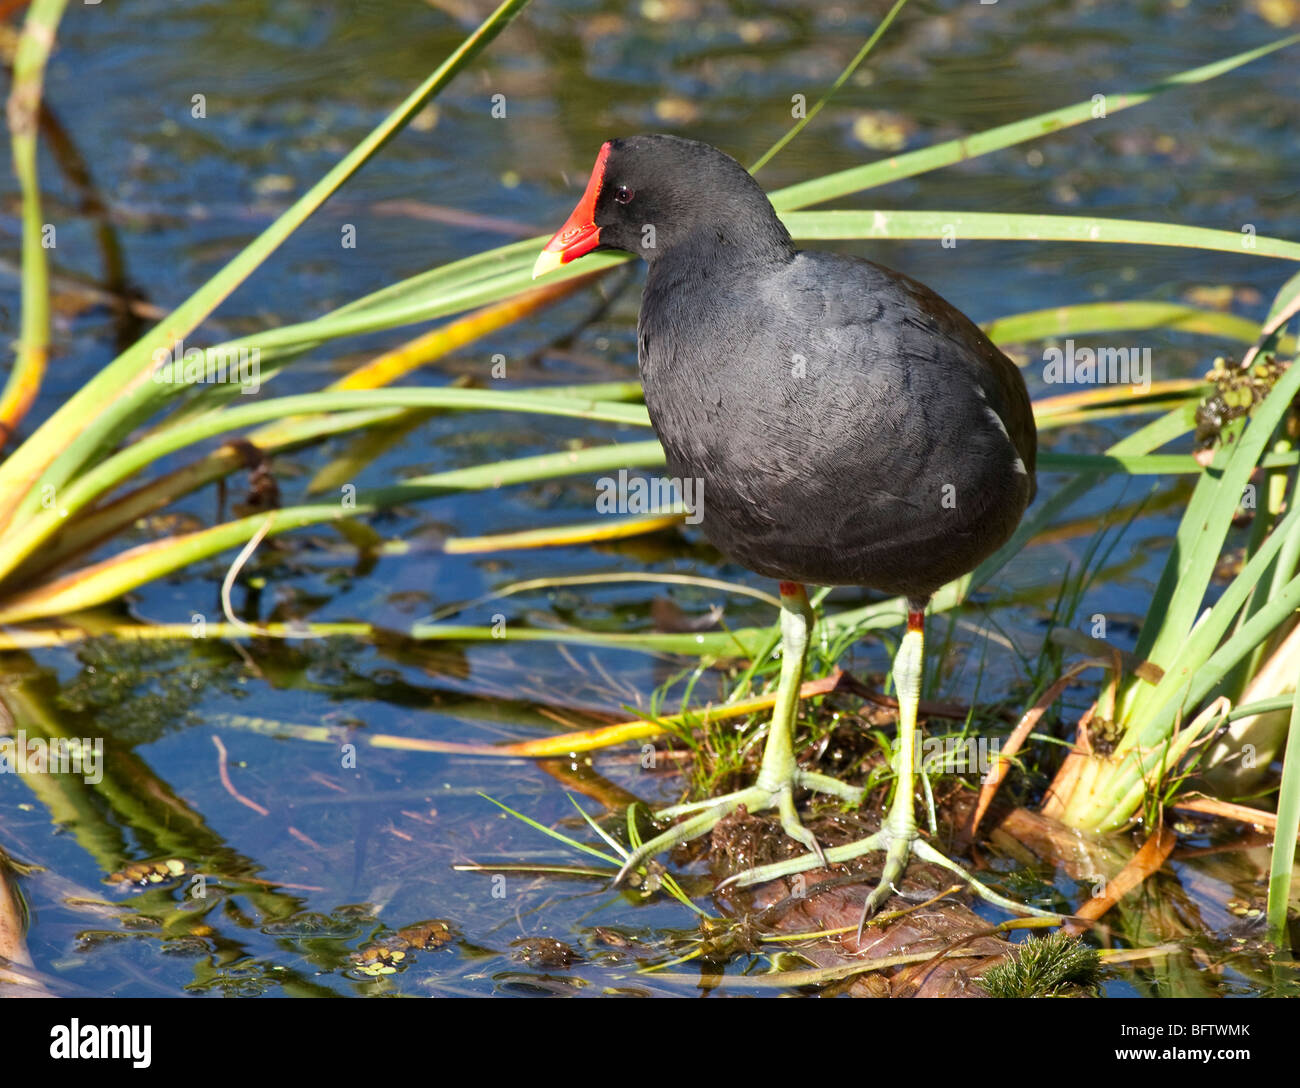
1055	966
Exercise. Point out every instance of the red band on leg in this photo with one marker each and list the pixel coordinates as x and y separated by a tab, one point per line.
791	589
915	619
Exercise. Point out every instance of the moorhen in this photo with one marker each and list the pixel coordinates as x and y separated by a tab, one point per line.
844	426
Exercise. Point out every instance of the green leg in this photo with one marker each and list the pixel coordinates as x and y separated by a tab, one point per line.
897	836
899	828
779	775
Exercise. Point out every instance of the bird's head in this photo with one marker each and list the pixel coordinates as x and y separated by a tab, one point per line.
650	195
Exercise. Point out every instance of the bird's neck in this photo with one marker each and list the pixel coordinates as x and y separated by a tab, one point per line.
721	253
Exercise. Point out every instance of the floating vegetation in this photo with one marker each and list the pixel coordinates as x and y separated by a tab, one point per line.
1053	966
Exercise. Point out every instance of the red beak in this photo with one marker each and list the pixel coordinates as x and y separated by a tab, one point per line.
579	234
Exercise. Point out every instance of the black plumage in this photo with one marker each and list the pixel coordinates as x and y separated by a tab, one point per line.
849	426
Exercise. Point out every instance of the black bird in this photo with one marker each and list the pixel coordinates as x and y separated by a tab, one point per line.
845	426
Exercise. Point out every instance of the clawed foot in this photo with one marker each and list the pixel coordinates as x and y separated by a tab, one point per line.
899	843
779	775
756	798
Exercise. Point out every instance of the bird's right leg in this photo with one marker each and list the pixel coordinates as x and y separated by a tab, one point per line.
779	774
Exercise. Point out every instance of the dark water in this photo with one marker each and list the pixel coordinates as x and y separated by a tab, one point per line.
349	856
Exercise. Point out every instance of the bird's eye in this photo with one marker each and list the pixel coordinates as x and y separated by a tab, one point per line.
624	195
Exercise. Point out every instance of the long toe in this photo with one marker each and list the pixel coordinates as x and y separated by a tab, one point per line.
796	830
875	901
895	865
824	783
678	833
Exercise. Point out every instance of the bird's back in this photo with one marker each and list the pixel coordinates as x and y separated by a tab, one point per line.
849	426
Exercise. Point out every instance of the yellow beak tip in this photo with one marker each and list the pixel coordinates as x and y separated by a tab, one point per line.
547	261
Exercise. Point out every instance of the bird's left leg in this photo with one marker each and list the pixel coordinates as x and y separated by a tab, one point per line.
779	774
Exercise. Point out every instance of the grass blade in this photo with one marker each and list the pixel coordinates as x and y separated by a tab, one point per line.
33	352
571	843
1284	838
799	125
1094	317
857	178
999	226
